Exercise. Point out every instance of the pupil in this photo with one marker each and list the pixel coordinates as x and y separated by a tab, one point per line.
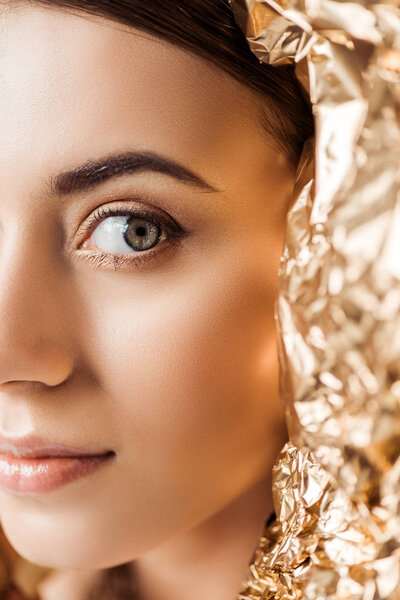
141	230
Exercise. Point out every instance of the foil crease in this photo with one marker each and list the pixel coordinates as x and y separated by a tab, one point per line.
336	483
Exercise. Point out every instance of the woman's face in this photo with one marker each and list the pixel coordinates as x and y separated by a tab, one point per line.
163	351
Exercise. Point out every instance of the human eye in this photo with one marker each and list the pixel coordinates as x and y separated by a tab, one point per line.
126	236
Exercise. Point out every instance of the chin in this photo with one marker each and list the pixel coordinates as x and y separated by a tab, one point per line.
54	543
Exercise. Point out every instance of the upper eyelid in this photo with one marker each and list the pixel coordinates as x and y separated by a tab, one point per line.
128	210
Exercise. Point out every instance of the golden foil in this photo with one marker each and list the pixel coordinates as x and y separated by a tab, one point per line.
336	483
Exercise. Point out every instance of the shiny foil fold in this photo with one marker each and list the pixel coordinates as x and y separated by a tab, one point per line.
336	483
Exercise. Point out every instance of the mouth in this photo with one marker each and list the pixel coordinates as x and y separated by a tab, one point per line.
33	465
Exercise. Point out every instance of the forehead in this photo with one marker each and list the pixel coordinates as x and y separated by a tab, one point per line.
73	84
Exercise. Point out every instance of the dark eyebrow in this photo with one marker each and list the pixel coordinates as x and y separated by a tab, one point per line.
93	173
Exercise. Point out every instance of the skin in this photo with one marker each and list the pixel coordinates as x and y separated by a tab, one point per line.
172	363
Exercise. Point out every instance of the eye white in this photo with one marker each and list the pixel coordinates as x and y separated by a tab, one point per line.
109	235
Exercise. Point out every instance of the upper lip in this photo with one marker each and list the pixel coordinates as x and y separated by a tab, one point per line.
33	446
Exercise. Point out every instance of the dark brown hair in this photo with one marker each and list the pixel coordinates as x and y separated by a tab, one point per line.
208	29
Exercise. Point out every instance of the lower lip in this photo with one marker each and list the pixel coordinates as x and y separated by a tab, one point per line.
32	476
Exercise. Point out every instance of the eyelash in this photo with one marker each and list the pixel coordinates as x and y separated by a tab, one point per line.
173	231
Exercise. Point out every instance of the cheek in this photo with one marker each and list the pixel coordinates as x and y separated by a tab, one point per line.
183	370
189	367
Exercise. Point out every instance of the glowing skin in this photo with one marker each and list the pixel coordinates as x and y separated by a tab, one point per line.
170	363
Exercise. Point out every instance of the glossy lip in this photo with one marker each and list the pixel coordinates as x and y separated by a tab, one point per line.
34	446
35	476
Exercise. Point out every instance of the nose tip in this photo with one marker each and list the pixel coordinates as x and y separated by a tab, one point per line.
34	349
50	371
51	379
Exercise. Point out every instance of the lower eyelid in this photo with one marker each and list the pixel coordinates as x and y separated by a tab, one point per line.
125	260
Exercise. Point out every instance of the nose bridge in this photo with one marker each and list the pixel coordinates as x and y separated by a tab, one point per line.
33	316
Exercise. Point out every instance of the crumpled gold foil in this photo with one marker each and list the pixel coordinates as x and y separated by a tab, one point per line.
336	482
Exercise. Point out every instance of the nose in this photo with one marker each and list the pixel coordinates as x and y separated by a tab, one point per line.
34	324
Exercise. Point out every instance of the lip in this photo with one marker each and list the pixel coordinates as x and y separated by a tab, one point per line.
32	465
34	446
33	476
